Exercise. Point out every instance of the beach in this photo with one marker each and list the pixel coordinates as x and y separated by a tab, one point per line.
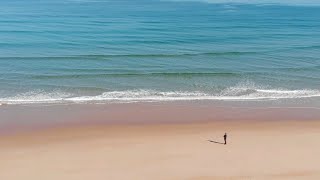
147	148
131	90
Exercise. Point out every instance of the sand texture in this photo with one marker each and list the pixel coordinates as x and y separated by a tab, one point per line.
255	150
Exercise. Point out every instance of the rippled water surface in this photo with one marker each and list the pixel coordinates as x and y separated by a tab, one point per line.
102	51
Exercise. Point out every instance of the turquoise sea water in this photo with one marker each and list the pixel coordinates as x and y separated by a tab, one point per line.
103	51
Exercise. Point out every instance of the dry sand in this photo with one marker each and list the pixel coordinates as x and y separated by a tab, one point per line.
255	150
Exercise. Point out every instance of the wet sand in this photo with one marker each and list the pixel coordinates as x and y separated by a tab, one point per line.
256	149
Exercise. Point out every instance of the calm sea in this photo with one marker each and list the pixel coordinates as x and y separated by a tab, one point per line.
87	51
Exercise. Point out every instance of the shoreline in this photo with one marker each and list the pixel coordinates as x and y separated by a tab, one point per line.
19	118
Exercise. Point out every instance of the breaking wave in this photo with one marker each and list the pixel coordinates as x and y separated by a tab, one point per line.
229	94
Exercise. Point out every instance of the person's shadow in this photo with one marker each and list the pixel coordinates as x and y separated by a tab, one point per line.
215	142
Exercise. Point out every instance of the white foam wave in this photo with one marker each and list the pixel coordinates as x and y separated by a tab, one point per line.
35	97
230	94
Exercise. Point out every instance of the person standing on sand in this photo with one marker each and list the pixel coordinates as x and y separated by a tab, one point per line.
225	138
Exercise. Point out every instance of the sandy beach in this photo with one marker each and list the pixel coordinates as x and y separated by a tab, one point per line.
193	150
148	89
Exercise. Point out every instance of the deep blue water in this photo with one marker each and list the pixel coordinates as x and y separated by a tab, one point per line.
80	51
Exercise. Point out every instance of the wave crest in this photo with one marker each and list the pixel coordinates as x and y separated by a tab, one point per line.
237	93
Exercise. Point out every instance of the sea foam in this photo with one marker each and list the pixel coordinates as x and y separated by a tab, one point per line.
230	94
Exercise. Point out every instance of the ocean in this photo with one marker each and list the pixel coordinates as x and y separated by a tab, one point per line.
103	51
